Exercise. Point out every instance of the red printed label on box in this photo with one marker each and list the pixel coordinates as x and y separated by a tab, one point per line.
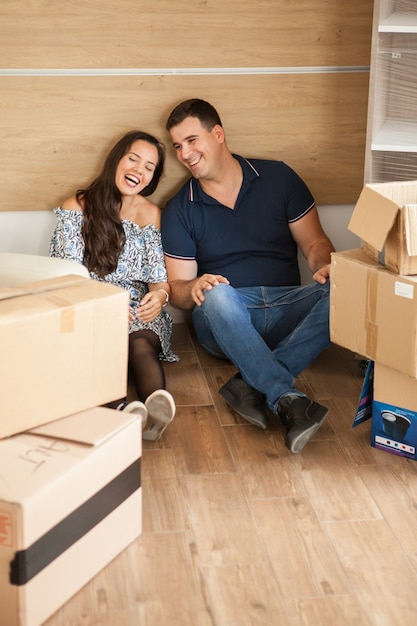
5	529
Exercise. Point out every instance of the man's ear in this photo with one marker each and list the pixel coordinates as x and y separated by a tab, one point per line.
219	133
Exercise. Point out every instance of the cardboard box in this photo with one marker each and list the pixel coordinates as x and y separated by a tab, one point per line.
390	399
64	345
17	268
70	501
385	218
373	311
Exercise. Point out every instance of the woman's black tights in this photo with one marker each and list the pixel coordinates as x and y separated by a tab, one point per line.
145	368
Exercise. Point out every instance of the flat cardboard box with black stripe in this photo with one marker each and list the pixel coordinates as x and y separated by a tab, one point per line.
373	311
64	343
70	502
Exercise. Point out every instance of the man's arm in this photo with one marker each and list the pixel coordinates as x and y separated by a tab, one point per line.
186	288
314	244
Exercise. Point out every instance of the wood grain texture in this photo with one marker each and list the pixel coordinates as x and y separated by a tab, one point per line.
58	129
238	531
205	33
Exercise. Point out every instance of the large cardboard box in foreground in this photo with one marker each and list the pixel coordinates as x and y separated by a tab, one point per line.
390	399
385	218
373	311
64	348
70	501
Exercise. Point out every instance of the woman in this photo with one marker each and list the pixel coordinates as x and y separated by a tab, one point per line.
113	229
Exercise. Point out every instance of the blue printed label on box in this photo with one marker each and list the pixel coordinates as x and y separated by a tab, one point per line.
394	429
364	410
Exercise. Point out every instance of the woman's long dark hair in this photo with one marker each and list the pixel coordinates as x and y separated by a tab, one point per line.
102	228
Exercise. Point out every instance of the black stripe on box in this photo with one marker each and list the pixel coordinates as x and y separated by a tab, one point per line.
28	563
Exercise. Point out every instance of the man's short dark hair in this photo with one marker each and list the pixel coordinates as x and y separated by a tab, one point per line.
195	107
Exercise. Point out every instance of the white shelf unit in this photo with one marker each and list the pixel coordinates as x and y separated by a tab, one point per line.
398	22
391	142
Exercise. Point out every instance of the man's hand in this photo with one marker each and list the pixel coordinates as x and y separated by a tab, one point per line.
204	283
322	274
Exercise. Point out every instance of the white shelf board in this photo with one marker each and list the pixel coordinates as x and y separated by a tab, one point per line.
399	23
396	136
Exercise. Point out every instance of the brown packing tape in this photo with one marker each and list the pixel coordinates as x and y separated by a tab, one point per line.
6	293
51	284
67	320
67	317
41	286
371	326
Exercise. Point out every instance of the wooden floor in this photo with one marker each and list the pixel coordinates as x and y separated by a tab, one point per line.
237	531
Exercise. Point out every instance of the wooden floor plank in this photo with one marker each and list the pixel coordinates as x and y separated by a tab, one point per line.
394	489
304	560
339	610
237	531
198	442
222	520
162	502
266	468
380	575
186	382
335	488
164	573
248	593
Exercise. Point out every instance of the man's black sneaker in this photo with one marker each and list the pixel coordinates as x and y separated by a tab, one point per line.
302	418
245	400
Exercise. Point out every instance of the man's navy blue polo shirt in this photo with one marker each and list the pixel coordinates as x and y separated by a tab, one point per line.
250	245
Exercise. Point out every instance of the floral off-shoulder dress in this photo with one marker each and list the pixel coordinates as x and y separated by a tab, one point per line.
141	262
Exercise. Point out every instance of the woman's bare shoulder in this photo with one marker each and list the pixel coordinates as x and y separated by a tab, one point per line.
148	213
71	204
155	213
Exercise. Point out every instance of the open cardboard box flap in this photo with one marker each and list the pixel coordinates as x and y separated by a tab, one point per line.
376	210
373	217
90	427
61	445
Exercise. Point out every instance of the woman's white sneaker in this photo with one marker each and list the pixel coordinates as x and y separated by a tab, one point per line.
161	411
136	407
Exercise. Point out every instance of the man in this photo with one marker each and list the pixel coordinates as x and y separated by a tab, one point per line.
230	237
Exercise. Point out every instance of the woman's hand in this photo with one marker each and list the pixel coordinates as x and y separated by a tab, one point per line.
149	307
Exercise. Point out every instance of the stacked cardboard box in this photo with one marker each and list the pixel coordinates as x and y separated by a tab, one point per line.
64	344
373	311
70	501
70	494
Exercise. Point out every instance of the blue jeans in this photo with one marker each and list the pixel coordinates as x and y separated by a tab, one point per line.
270	334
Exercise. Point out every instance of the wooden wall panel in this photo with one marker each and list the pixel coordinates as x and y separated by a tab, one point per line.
184	33
56	129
